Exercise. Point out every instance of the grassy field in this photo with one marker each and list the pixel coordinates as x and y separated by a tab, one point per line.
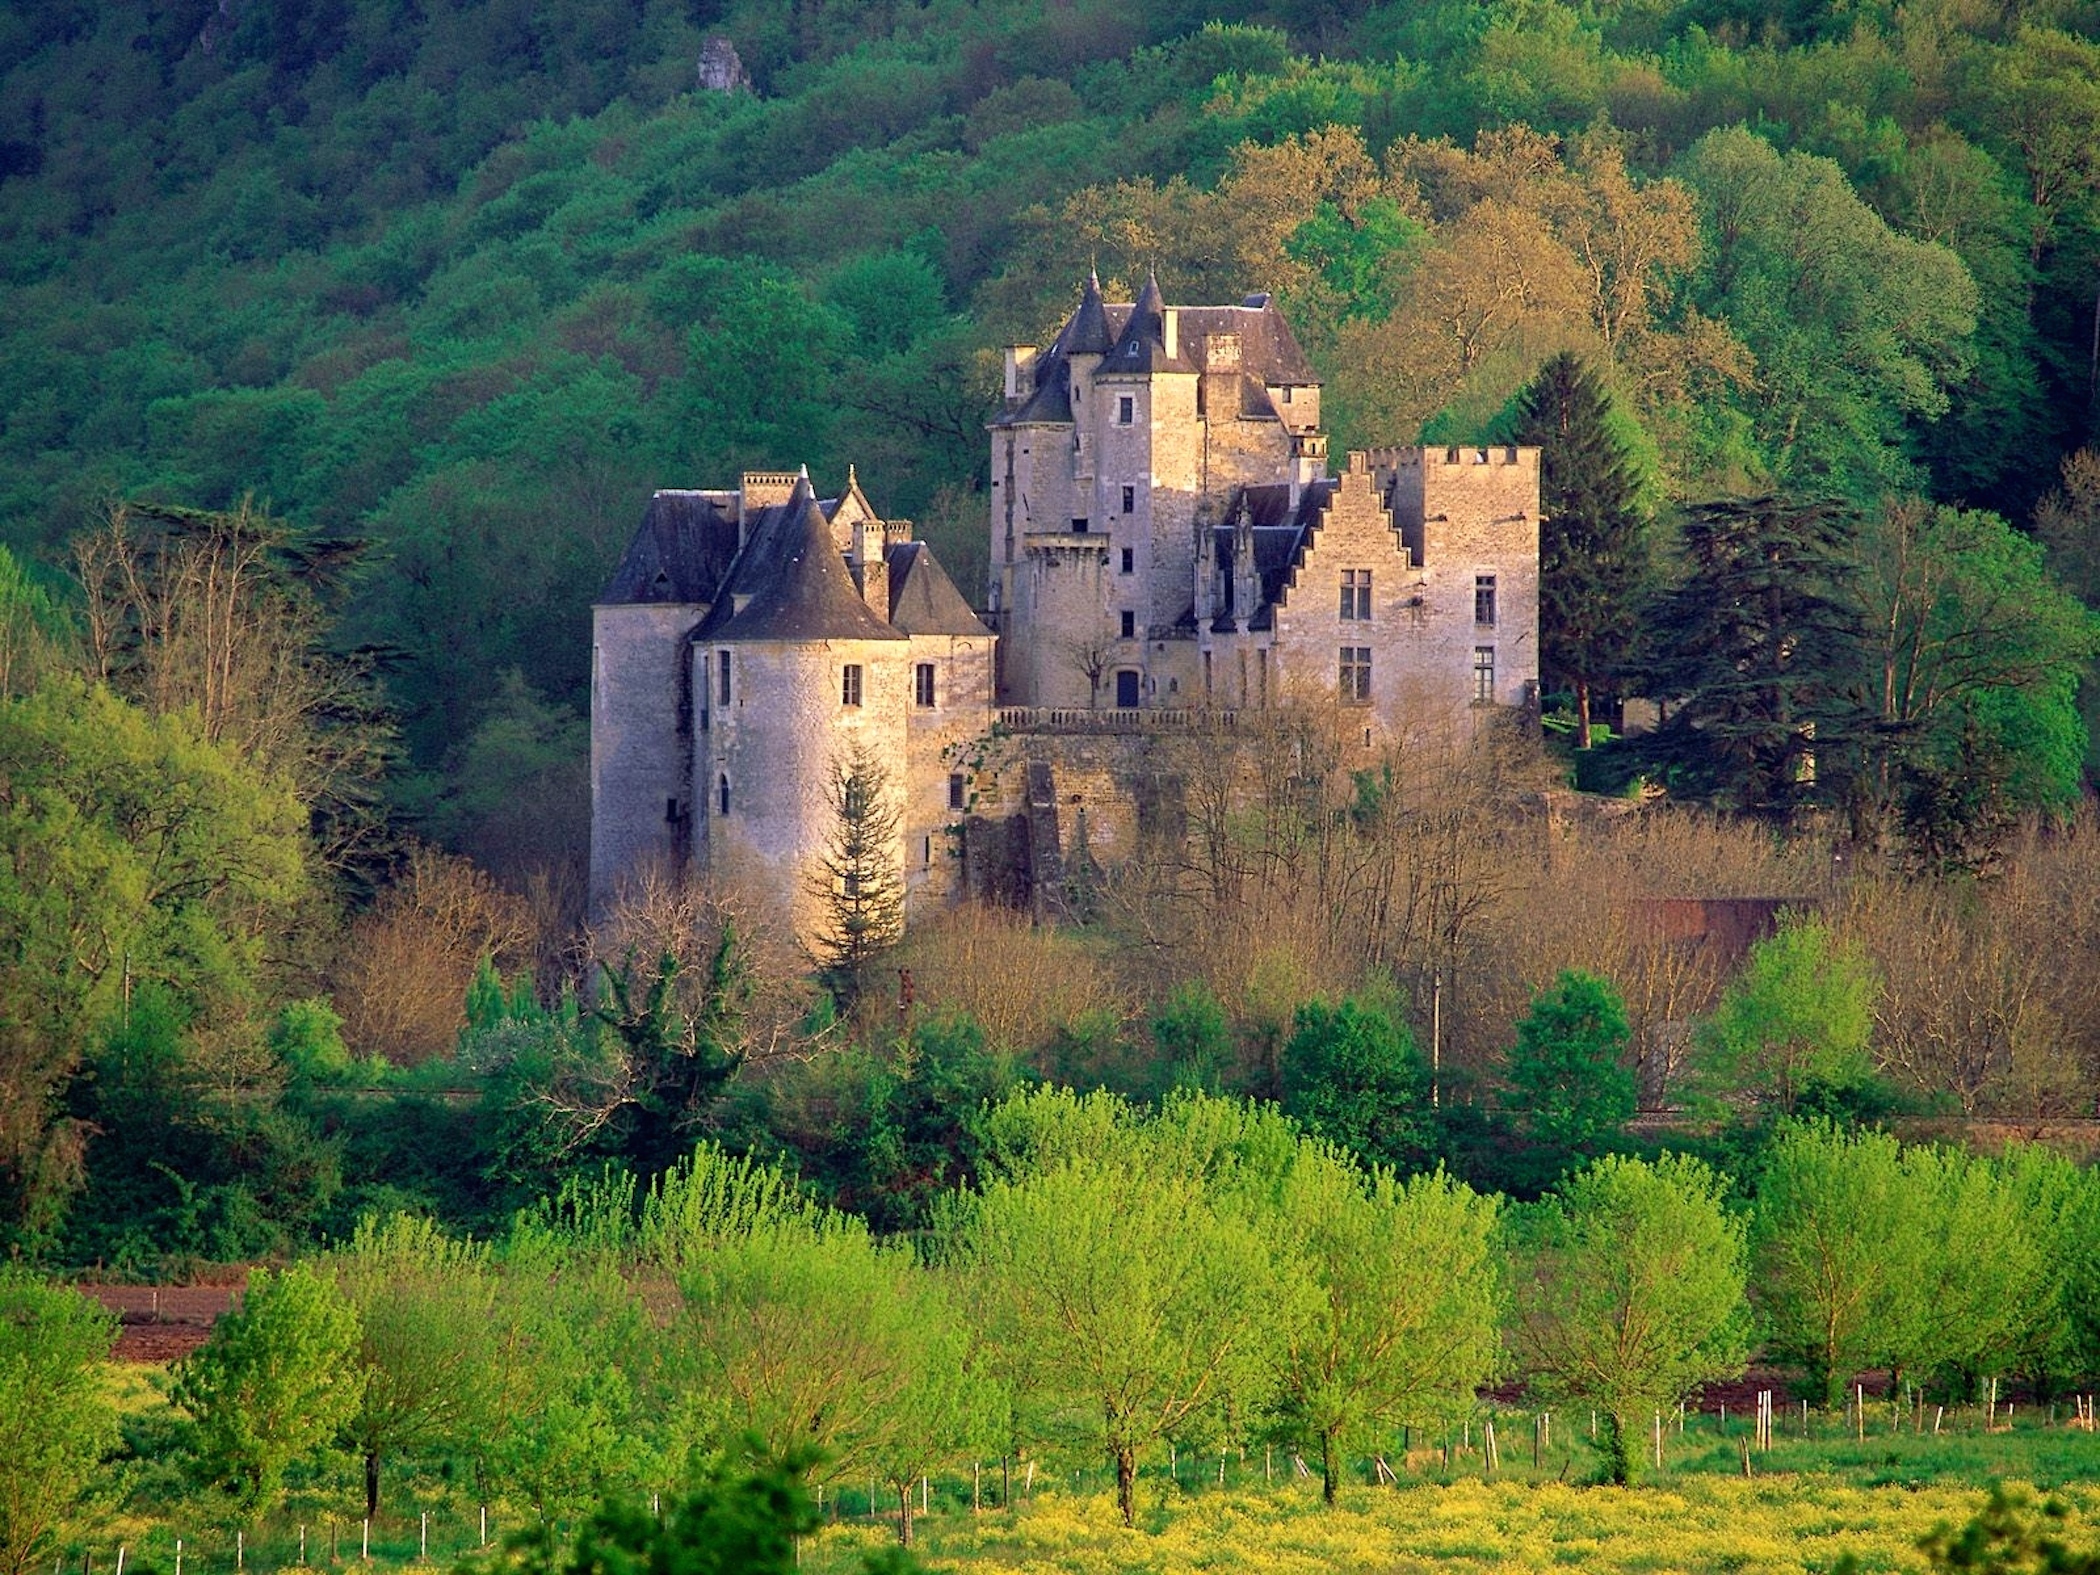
1811	1500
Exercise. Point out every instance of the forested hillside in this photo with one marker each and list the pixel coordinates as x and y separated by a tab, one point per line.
465	280
341	345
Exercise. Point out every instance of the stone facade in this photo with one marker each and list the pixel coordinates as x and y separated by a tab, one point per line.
1168	550
1165	534
750	643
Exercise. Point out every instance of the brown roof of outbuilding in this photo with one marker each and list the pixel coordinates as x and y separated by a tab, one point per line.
923	600
797	583
679	553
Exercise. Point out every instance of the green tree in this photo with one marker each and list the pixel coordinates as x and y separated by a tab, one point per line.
1757	649
746	1515
1630	1293
1115	1268
1976	654
423	1304
1593	546
1838	1235
57	1420
1352	1075
132	850
857	882
1858	331
1395	1305
1800	1014
276	1379
1569	1086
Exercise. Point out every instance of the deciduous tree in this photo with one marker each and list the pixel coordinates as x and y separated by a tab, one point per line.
57	1420
1629	1293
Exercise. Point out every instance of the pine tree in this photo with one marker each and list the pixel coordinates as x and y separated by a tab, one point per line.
1760	645
1593	542
857	877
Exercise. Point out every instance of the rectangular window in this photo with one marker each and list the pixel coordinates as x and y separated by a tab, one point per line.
849	685
1356	675
1079	527
1129	625
958	790
1483	674
721	677
1130	560
1130	500
1126	409
1356	595
1484	599
922	683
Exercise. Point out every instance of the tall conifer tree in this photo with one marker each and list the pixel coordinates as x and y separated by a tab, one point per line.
1593	543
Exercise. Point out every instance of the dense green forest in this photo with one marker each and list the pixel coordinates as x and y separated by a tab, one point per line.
344	342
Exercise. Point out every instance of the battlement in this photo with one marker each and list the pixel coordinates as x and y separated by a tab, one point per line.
763	488
1447	459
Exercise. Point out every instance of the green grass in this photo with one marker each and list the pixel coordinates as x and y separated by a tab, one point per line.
1808	1501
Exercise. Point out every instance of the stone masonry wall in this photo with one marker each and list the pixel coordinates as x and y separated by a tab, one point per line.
639	779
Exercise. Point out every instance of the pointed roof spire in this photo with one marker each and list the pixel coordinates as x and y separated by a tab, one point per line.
1088	332
796	581
1143	345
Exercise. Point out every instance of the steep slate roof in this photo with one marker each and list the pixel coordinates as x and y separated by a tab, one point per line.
923	600
1142	346
1281	531
1132	338
680	552
797	582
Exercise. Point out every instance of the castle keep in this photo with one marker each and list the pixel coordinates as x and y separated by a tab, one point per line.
1167	545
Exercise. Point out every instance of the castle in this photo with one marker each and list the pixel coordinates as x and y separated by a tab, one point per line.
1166	543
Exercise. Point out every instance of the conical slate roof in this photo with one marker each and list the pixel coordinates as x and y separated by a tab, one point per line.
1143	345
1088	332
923	600
797	582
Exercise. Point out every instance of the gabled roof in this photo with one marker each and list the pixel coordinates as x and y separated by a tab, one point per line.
796	580
923	600
679	554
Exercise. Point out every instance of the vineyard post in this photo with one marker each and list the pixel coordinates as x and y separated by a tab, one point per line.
485	1519
1658	1440
302	1546
365	1547
178	1556
240	1550
423	1539
120	1559
1938	1411
1724	1418
1859	1408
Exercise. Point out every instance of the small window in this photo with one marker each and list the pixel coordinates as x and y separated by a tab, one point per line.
1287	392
926	853
1079	527
1126	409
958	790
1484	599
722	794
1356	595
922	684
849	685
1483	674
1130	560
1130	500
722	677
1356	675
1129	624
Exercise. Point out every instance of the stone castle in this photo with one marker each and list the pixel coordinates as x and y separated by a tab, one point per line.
1167	548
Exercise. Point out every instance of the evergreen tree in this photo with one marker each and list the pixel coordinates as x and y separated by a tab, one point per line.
1593	541
1759	648
1568	1085
857	878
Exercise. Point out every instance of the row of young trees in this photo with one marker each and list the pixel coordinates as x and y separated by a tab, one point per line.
1117	1283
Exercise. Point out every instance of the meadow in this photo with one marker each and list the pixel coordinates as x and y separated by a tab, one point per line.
1808	1502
